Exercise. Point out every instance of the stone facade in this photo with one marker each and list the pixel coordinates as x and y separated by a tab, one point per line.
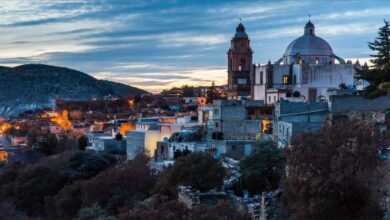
292	118
239	119
191	197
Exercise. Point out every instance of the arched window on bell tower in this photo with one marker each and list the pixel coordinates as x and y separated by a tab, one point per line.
242	66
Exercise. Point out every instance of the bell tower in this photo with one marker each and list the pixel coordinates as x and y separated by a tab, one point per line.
239	65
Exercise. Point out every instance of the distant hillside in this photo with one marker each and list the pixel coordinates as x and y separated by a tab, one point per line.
35	86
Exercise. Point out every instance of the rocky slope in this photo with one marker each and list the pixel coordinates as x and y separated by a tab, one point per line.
35	86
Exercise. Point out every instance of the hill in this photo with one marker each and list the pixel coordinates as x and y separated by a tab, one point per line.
34	86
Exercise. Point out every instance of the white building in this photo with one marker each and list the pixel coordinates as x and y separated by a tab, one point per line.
306	71
149	131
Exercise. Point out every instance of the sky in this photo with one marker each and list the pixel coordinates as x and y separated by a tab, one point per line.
155	45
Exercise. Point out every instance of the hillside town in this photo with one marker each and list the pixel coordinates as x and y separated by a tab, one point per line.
283	104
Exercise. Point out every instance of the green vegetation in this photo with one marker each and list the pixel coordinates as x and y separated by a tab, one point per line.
83	142
198	170
262	170
88	185
379	75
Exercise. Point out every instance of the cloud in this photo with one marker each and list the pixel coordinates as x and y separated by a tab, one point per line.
159	44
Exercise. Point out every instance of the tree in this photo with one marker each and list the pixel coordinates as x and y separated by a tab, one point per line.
83	142
94	212
223	210
263	168
212	94
32	137
48	145
382	46
331	172
122	186
198	170
188	91
35	183
67	202
381	60
156	207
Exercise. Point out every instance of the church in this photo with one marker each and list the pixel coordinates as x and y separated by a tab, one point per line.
308	71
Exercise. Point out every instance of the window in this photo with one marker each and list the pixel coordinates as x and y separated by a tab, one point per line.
261	77
216	111
242	66
216	124
285	79
274	98
241	81
317	60
269	98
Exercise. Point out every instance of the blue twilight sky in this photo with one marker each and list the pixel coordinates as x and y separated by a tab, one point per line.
159	44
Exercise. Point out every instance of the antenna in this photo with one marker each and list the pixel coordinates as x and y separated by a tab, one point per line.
309	17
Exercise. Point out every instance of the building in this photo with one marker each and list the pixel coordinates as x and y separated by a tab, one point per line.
205	115
192	197
180	143
150	131
236	126
241	119
292	118
375	110
239	65
307	70
103	142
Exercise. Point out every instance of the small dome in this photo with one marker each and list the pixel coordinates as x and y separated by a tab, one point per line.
240	31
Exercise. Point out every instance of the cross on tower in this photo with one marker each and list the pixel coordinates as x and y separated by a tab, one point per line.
309	17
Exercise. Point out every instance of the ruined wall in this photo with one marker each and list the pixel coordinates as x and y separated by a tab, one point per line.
343	104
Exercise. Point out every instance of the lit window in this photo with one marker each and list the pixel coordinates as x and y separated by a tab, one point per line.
317	60
285	79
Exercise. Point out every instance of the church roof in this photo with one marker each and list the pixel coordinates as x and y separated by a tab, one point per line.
240	31
309	44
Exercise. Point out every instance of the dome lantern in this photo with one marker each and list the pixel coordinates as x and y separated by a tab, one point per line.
309	28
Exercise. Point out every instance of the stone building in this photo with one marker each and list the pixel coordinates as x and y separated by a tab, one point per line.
241	119
292	118
239	65
191	197
236	126
307	70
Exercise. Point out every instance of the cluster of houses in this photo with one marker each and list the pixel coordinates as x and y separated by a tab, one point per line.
308	87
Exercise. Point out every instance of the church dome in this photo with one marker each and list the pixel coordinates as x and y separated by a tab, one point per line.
309	44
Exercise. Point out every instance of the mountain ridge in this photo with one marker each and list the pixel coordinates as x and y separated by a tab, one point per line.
33	86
